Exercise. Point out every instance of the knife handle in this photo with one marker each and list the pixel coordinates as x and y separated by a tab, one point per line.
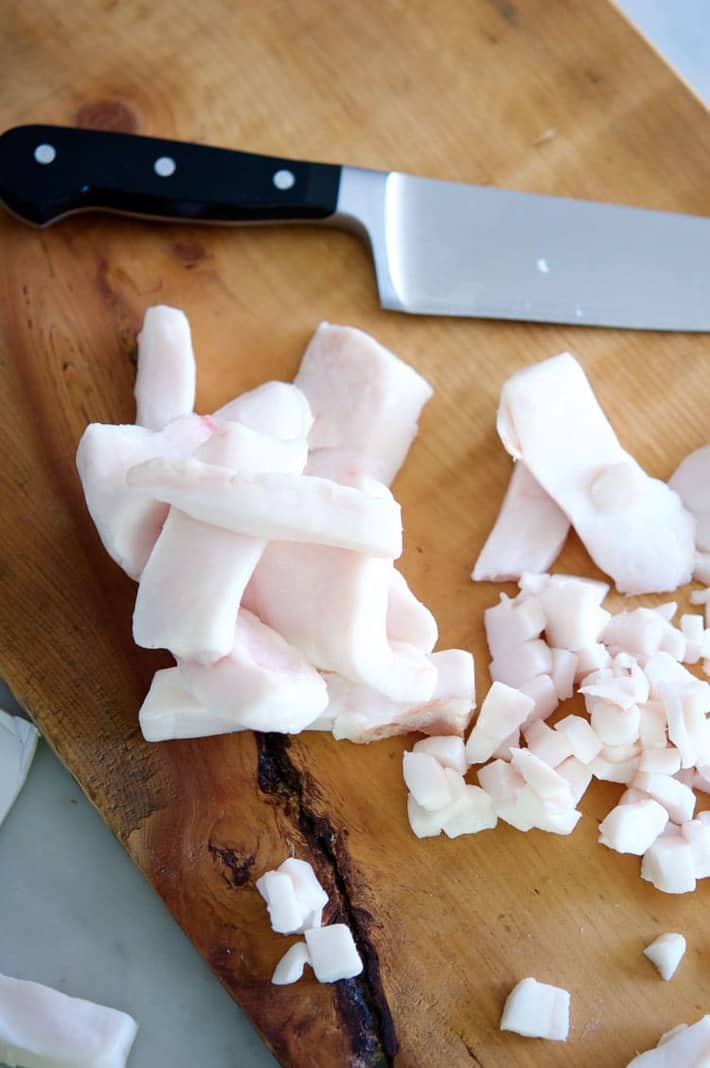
47	172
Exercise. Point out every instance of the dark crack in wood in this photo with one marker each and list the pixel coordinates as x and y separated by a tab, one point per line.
237	866
362	1004
472	1053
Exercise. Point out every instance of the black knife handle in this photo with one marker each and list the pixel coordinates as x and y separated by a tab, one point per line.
50	171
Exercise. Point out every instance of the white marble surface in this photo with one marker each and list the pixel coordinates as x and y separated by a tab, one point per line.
680	31
74	911
77	915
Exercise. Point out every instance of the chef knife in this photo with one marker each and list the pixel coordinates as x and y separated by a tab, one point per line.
440	248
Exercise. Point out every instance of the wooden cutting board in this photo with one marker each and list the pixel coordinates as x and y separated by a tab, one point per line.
543	95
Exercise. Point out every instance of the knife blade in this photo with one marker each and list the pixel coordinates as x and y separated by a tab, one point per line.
441	248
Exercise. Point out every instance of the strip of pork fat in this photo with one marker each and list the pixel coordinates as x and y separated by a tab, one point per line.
634	527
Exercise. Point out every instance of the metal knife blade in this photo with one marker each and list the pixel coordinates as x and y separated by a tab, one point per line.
443	248
439	248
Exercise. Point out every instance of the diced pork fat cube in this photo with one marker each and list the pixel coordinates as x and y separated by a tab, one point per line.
639	632
693	628
449	750
583	740
612	724
564	669
541	778
503	711
547	744
473	811
666	953
577	774
542	690
677	799
665	761
333	953
633	828
653	725
697	834
591	658
537	1010
509	623
505	749
526	809
501	781
573	617
669	865
290	967
518	664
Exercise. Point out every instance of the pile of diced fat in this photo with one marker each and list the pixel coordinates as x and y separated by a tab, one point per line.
295	900
645	722
263	539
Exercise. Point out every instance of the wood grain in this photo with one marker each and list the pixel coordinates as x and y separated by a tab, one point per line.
545	95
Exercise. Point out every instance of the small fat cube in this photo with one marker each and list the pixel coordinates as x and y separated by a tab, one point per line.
573	616
517	664
537	1010
664	761
542	690
424	824
633	828
501	781
503	711
653	724
592	658
309	891
613	724
666	953
526	810
584	742
697	834
621	771
504	750
426	780
677	798
541	778
577	774
448	749
474	811
631	796
290	967
547	744
285	909
563	672
333	953
693	628
510	622
669	865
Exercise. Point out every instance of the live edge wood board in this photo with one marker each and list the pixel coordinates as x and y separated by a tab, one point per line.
543	95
